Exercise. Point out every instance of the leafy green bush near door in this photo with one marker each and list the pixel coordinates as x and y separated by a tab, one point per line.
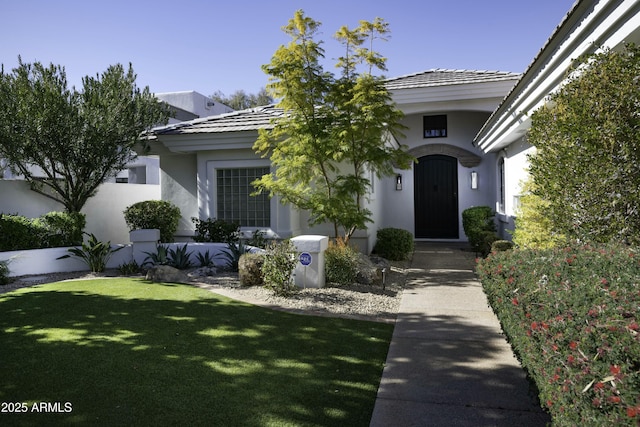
394	244
479	227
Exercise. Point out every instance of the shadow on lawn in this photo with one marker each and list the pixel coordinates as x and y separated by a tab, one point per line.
143	358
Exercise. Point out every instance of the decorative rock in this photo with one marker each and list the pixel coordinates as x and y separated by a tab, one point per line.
370	270
366	274
165	273
204	272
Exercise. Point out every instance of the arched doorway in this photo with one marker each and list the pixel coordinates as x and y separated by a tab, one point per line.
436	197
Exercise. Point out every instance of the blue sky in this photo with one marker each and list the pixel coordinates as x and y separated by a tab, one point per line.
220	45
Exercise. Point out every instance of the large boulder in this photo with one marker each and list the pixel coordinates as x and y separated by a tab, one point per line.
165	273
370	270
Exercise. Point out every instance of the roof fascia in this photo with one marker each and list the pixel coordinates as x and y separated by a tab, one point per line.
454	92
587	27
194	142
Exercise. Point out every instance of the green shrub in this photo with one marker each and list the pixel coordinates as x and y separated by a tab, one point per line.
4	272
501	245
279	263
534	229
18	232
571	316
215	230
205	260
479	227
94	253
150	214
54	229
587	153
394	244
341	263
250	269
178	258
233	253
63	228
129	268
259	239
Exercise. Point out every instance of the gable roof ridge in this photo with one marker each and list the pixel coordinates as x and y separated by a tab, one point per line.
448	77
452	71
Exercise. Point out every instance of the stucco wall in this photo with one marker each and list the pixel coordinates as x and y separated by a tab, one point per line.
178	180
516	164
397	207
104	211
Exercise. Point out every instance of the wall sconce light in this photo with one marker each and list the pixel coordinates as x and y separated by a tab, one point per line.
474	180
399	182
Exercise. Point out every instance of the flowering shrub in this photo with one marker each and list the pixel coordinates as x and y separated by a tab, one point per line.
341	263
571	316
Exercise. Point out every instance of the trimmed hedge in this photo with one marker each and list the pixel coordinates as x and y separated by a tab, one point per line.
394	244
571	316
150	214
479	227
54	229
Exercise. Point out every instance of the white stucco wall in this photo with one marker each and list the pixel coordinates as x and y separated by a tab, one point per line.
104	211
397	207
179	184
194	102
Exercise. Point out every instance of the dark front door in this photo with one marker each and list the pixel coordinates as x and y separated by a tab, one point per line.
436	197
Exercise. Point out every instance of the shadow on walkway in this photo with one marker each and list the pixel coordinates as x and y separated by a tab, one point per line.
448	362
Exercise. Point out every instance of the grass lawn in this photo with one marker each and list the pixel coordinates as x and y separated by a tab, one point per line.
130	352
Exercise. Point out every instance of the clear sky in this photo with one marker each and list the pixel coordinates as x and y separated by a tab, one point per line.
221	44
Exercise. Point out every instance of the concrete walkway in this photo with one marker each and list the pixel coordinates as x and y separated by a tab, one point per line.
448	363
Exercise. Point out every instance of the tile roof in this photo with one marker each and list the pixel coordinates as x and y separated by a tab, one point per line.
260	117
444	77
244	120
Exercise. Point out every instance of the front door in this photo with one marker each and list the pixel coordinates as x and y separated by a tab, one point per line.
436	197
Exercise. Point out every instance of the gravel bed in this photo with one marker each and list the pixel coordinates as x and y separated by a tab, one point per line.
367	302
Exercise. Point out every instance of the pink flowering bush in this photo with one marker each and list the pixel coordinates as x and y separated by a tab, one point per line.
571	316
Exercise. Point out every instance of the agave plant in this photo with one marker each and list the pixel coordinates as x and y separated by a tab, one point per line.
94	253
160	257
233	253
180	258
205	260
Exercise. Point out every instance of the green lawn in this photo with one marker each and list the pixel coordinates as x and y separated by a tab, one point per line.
130	352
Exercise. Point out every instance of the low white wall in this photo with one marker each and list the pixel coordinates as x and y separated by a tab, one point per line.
43	261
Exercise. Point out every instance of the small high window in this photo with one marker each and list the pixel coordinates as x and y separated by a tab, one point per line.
435	126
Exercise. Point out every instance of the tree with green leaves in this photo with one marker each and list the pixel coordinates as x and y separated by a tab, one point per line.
65	142
241	100
336	131
587	160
